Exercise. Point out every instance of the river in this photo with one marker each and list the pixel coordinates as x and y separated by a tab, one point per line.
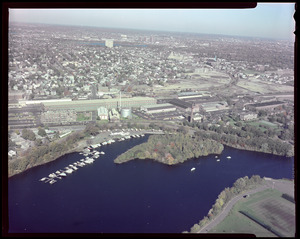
140	196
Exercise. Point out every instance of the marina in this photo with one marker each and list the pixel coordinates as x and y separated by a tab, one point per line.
90	153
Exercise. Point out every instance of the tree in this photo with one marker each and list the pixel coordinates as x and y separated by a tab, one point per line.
28	134
195	228
42	132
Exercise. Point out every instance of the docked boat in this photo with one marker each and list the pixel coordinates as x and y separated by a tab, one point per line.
102	152
69	171
142	135
52	175
52	181
193	169
43	179
62	174
104	143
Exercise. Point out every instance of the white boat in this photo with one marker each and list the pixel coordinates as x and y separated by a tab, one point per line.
216	157
142	135
43	179
102	152
104	143
218	160
69	171
52	181
57	172
228	157
52	175
63	174
138	136
193	169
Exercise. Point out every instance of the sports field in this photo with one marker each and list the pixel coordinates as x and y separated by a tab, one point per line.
267	207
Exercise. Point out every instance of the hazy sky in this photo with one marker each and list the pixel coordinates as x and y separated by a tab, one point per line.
271	20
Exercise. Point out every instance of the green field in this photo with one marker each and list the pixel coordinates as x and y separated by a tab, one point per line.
269	207
83	116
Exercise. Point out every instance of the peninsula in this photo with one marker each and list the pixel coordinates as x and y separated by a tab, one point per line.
171	149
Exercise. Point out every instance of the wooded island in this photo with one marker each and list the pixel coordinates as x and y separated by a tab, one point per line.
171	149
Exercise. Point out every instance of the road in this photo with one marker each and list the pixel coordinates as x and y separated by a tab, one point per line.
283	186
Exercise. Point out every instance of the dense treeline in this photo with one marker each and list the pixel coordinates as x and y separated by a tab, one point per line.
44	153
247	137
171	149
240	185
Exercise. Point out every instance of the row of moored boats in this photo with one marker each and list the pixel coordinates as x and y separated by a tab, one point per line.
59	174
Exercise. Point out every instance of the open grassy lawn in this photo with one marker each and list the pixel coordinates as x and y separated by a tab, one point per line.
269	207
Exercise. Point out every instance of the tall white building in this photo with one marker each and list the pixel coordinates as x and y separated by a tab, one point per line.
109	43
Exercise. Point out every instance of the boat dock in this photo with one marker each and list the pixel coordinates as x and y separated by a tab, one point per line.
90	153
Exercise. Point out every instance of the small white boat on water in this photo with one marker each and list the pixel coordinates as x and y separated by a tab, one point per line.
43	179
193	169
52	181
228	157
63	174
69	171
218	160
104	143
102	152
52	175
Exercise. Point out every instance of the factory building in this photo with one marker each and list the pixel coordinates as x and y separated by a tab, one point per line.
114	115
214	106
265	105
102	113
181	105
248	116
93	105
126	113
158	108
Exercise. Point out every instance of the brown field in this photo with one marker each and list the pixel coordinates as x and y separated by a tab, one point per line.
278	214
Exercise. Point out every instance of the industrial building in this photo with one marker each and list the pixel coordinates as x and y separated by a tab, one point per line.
181	105
93	105
248	116
102	113
126	113
114	115
265	105
158	108
214	106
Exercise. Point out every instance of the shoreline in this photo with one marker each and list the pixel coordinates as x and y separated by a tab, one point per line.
82	144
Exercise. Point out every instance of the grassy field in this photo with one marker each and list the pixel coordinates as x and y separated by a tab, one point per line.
269	207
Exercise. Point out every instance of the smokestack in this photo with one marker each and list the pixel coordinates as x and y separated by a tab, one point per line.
191	116
120	106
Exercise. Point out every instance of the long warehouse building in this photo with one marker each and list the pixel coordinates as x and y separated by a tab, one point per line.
93	105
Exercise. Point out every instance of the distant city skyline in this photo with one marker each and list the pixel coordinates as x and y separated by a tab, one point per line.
267	20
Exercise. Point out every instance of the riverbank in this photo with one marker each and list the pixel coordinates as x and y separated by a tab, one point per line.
279	191
242	188
171	149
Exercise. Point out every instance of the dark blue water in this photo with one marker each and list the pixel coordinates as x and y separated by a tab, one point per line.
140	196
